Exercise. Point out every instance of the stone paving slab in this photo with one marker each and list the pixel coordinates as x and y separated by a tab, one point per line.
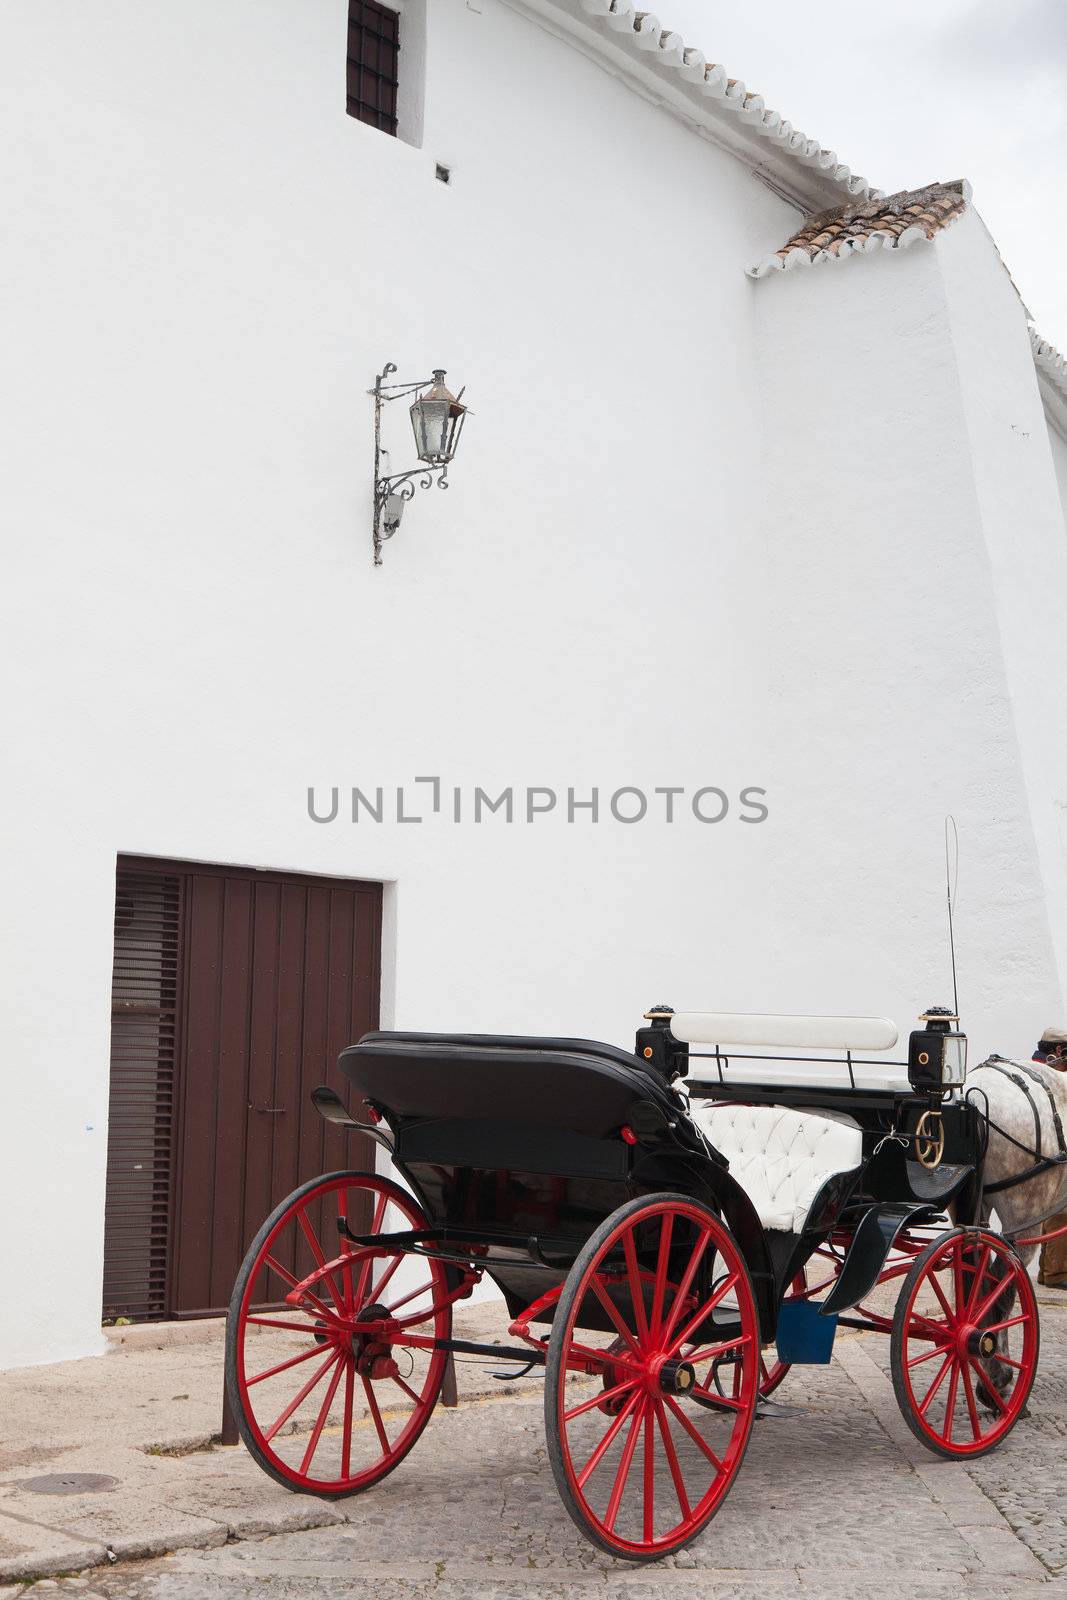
835	1498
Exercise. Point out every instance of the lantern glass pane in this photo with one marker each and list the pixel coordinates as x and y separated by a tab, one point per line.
430	422
954	1061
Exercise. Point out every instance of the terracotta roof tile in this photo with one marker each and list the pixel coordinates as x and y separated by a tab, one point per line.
893	222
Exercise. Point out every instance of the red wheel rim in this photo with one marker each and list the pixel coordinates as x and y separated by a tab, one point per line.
646	1464
336	1378
963	1394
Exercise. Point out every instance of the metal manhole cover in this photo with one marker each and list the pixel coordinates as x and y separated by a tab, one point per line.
70	1483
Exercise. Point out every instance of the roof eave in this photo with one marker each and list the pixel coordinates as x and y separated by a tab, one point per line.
654	60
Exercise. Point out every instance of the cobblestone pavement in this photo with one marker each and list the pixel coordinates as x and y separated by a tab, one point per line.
834	1499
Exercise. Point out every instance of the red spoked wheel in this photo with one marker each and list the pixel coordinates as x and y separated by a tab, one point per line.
331	1369
964	1344
643	1444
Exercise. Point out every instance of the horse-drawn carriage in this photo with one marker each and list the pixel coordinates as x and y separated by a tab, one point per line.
671	1229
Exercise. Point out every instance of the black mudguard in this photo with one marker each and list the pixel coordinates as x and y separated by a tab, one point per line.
331	1108
869	1250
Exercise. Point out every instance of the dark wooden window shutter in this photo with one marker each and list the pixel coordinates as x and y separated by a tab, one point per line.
373	63
144	1002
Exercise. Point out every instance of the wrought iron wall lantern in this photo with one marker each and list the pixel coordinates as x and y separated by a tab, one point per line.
437	418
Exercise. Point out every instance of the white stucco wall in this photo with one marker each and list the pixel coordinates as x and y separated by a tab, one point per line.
1022	520
1058	448
207	263
884	662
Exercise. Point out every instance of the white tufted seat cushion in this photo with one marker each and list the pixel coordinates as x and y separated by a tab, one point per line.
779	1156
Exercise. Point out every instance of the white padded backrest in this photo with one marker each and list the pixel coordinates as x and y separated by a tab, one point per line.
798	1033
781	1157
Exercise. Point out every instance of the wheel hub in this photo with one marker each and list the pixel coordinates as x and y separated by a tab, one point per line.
976	1343
371	1351
677	1377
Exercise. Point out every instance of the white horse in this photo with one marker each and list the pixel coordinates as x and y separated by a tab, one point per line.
1019	1098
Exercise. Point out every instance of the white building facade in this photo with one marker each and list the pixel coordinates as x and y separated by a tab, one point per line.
773	555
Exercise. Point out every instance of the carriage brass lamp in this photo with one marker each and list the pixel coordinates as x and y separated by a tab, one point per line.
437	417
937	1055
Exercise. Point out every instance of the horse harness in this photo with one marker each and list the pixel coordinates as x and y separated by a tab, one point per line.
1042	1163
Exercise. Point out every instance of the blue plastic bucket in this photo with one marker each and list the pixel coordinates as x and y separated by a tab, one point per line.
804	1337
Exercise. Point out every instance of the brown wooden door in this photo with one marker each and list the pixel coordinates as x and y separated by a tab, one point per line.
274	974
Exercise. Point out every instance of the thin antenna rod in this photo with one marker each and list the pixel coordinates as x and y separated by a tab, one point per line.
951	883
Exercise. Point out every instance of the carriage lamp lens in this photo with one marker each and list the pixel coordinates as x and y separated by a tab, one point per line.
954	1060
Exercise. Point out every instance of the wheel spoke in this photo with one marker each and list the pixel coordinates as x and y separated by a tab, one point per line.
320	1421
610	1435
605	1358
637	1294
940	1293
972	1409
702	1313
935	1386
989	1386
319	1373
346	1250
625	1463
956	1259
276	1322
727	1402
980	1272
320	1260
1011	1322
950	1403
599	1398
294	1283
380	1287
375	1227
376	1414
991	1299
662	1264
710	1350
928	1329
408	1390
613	1312
649	1524
395	1305
694	1433
283	1366
346	1430
672	1459
928	1355
678	1303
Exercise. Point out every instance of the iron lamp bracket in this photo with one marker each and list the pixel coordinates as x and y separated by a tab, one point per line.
392	491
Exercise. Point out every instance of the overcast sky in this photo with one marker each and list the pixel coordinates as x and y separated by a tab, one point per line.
920	90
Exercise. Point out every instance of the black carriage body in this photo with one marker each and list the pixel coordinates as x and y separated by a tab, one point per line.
518	1148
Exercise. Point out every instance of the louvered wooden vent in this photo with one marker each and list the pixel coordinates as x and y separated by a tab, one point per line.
144	1000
